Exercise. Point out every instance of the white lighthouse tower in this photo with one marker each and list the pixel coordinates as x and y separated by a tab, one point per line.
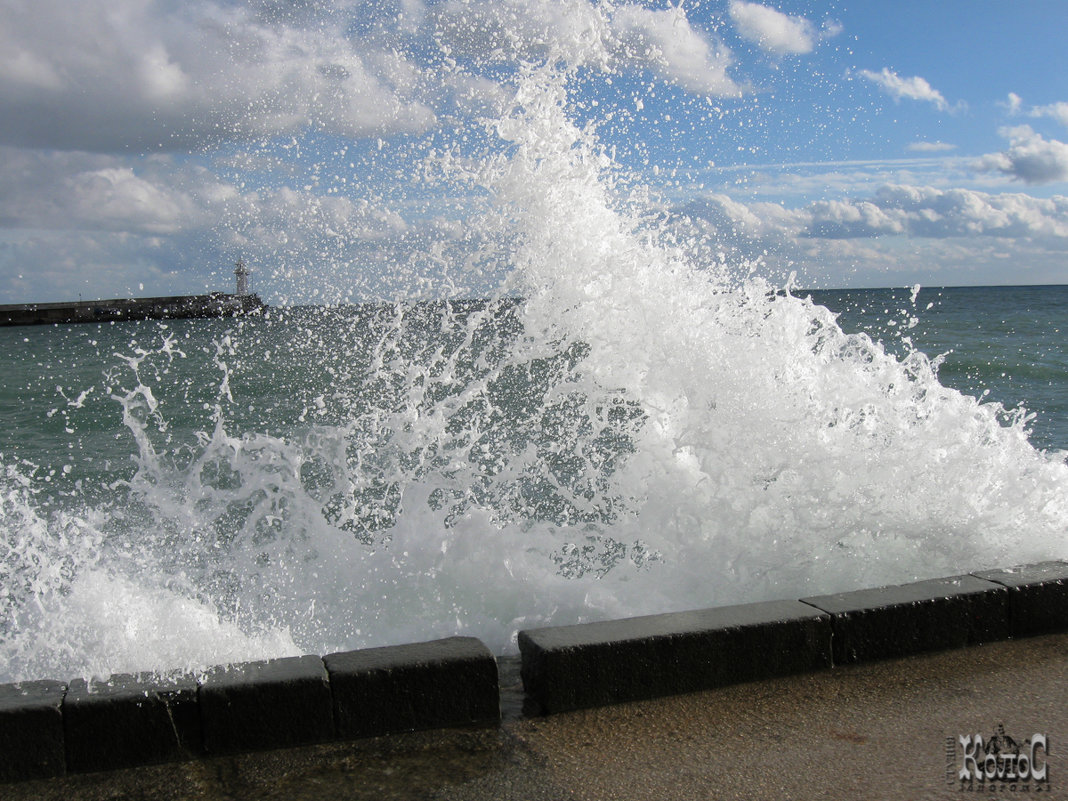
241	273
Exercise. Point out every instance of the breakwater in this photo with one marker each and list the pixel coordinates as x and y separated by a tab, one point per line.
51	728
214	304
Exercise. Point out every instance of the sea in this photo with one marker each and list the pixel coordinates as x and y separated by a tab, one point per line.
1004	344
622	420
183	493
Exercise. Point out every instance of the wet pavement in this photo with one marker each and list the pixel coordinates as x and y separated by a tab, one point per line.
874	731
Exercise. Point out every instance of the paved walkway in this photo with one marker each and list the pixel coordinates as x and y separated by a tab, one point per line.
876	731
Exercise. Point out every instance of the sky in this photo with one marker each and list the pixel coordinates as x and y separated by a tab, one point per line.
146	145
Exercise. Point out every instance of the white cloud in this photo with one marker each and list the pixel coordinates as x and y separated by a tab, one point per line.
844	219
666	40
892	210
109	75
915	88
1013	103
774	31
116	198
80	191
799	183
965	234
62	214
147	75
1056	111
292	220
607	37
737	221
931	147
513	30
1030	157
936	214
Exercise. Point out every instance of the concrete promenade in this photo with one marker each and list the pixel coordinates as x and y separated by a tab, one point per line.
878	730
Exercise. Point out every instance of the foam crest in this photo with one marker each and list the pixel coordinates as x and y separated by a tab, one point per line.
623	428
779	454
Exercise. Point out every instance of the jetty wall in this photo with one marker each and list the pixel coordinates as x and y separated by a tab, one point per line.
215	304
52	728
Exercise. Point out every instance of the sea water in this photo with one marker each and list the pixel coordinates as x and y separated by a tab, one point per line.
620	427
1007	344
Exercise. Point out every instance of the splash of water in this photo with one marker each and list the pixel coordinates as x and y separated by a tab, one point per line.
623	429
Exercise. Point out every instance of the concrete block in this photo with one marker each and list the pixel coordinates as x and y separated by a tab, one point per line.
1038	596
131	720
276	703
450	682
593	664
31	730
894	621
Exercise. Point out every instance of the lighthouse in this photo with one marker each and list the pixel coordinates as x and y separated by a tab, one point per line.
241	273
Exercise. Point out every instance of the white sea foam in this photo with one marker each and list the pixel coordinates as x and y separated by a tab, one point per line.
643	433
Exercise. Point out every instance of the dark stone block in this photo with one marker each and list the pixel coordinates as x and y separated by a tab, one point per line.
31	730
131	720
912	618
593	664
1038	596
450	682
272	704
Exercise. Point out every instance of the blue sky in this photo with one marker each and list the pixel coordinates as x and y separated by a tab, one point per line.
146	144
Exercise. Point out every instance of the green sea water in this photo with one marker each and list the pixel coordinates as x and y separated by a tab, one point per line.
292	368
1007	344
180	493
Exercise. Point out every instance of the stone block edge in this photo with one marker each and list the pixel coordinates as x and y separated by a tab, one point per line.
1050	576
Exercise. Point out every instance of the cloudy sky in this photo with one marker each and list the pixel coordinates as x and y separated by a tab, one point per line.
147	144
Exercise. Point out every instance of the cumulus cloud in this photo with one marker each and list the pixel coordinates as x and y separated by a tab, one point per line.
962	231
736	221
512	30
1029	158
775	31
88	89
150	218
81	191
297	222
1013	103
893	210
914	88
108	75
665	40
844	219
1056	111
149	75
105	225
608	37
934	213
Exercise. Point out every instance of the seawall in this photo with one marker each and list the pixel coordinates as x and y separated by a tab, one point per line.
215	304
53	728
